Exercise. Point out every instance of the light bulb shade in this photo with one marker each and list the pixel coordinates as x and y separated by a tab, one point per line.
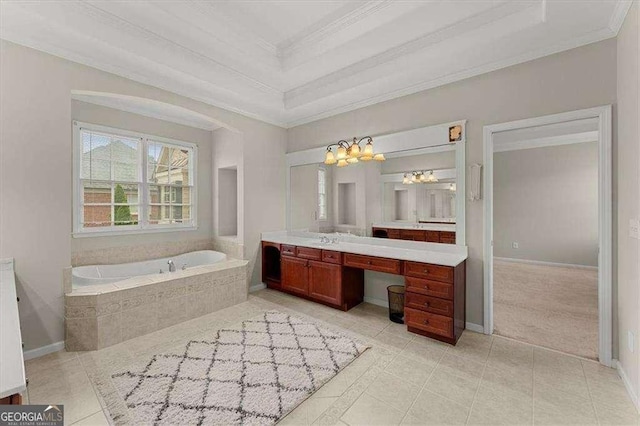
352	160
406	180
329	158
379	157
452	187
368	149
354	151
342	153
423	178
415	178
431	178
342	163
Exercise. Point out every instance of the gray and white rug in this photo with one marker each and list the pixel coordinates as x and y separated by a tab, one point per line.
254	373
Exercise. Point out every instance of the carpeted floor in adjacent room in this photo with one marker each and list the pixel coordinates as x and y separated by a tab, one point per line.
554	307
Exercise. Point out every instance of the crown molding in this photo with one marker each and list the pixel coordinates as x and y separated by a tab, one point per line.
619	14
593	37
548	141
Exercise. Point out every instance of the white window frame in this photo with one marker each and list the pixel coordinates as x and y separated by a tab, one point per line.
143	226
322	214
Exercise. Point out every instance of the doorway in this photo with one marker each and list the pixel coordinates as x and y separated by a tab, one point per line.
547	204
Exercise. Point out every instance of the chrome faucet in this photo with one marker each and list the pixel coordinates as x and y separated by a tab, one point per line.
172	267
324	240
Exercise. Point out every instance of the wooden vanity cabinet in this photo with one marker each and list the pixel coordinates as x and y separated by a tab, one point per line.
325	282
295	275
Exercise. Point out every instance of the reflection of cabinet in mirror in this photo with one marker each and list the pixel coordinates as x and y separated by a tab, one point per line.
430	236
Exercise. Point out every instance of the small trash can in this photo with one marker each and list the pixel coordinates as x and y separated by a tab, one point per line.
396	303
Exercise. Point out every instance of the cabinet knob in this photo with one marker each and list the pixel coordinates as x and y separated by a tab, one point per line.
426	322
426	271
369	262
426	304
426	287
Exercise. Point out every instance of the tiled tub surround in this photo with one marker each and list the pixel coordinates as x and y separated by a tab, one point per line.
137	253
99	316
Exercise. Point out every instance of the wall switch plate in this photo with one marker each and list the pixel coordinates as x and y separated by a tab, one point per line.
630	340
515	245
634	228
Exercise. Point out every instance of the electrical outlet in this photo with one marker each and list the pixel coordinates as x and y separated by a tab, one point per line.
515	245
630	340
634	228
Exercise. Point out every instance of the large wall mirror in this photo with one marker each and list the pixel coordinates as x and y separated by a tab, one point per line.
416	193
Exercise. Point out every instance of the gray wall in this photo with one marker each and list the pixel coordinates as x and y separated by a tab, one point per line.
546	200
36	175
552	84
626	167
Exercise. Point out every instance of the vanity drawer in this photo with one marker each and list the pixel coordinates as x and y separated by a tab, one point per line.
412	235
332	257
433	236
447	237
393	234
287	250
429	304
432	323
428	271
429	288
309	253
380	264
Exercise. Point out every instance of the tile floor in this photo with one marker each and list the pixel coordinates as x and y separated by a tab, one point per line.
402	379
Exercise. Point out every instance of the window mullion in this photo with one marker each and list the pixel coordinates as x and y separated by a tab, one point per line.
144	187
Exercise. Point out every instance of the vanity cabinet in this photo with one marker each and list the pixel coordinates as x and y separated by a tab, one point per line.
434	294
295	275
314	274
444	237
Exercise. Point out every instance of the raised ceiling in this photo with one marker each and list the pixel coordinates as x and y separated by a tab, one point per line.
291	62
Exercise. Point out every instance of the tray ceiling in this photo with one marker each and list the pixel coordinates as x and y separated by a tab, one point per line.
291	62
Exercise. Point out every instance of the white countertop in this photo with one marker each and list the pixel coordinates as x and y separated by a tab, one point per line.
450	227
12	378
437	254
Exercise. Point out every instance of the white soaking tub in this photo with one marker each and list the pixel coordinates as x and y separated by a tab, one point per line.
82	276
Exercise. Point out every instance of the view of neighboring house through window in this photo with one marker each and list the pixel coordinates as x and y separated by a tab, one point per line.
322	194
129	181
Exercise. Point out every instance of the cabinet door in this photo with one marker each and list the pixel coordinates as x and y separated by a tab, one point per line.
325	282
295	275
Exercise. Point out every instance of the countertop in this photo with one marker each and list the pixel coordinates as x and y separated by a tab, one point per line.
12	378
437	254
450	227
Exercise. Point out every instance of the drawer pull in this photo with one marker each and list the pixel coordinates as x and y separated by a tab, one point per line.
426	271
369	262
330	257
426	304
426	322
426	287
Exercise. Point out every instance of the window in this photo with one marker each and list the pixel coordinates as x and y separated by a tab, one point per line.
129	182
322	194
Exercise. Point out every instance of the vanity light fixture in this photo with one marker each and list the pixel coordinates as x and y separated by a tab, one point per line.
351	153
452	187
419	177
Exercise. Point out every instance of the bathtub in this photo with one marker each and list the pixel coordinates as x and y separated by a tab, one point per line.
104	274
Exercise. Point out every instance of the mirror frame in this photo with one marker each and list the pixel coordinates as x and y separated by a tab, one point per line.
423	140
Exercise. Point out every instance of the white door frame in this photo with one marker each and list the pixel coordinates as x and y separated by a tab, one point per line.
603	114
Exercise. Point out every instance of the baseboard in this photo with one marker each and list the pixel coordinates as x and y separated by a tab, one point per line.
257	287
378	302
541	262
43	350
627	383
474	327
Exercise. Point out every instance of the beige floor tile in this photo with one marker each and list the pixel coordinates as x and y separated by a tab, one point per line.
517	383
546	360
370	411
547	413
393	391
97	419
424	349
432	409
501	407
459	388
474	346
459	366
392	339
509	354
79	399
49	361
411	370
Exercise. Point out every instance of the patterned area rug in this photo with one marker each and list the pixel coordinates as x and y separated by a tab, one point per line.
255	373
